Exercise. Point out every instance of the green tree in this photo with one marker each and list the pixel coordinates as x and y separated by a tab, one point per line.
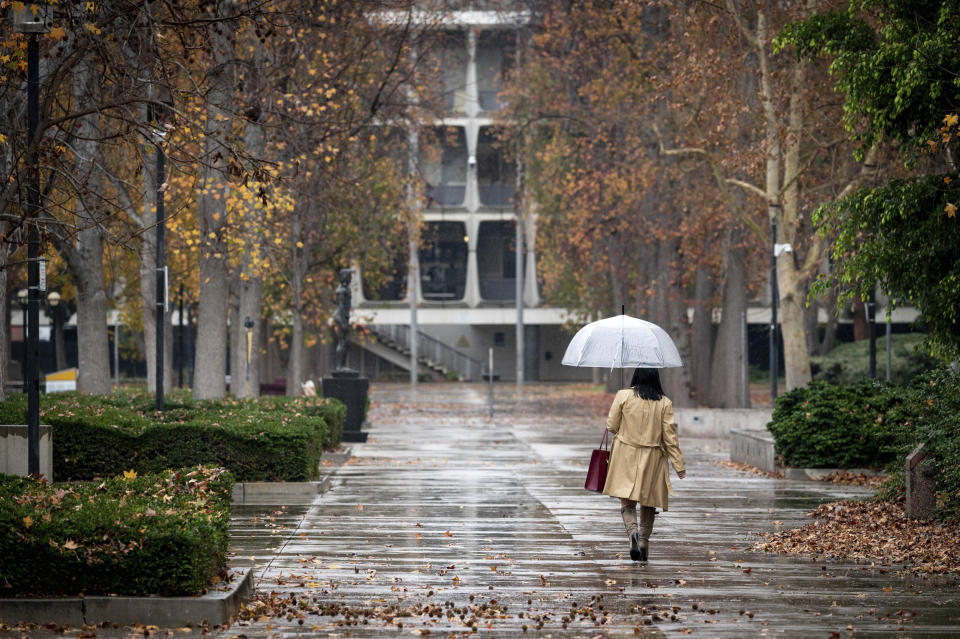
896	63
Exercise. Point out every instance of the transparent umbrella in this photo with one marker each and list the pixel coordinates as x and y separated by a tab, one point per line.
622	342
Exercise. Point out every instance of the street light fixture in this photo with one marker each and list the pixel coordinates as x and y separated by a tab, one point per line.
33	19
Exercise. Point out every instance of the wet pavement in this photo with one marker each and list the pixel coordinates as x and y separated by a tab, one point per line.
449	523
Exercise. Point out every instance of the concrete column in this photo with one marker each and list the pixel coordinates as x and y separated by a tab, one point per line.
531	354
531	295
471	199
356	285
472	292
472	90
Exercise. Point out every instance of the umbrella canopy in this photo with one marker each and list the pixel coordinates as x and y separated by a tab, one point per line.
622	342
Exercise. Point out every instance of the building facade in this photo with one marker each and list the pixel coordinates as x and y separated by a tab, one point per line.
467	263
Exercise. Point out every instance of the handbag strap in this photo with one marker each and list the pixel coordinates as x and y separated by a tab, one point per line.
603	442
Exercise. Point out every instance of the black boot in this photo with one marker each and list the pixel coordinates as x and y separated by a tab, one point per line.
637	553
641	552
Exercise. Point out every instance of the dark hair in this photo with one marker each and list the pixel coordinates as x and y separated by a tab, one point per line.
646	383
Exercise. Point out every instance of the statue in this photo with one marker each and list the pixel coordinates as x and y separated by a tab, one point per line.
343	383
342	318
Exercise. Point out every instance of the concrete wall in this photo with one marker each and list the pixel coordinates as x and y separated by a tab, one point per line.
13	450
720	422
754	447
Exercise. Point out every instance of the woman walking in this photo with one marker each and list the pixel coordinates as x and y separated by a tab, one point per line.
642	421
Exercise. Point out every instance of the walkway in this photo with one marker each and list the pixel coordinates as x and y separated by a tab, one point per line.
446	522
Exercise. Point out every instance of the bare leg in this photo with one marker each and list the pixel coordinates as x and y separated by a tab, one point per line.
628	510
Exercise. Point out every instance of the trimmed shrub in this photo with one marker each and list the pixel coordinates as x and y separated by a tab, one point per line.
849	362
157	534
827	426
877	425
270	439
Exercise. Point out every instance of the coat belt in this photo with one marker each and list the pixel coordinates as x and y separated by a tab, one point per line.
632	445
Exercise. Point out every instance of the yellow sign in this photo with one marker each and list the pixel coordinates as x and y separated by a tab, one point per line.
67	374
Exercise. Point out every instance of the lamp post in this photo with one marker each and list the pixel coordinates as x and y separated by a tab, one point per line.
33	19
774	294
871	308
22	300
180	341
248	325
157	114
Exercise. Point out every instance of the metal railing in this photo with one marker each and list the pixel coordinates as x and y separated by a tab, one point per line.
431	352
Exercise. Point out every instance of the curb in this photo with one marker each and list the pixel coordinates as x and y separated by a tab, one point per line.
215	607
290	492
819	474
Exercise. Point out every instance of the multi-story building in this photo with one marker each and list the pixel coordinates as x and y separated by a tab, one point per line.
466	261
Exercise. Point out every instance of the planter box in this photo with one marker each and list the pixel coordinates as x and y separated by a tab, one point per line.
720	422
13	450
754	447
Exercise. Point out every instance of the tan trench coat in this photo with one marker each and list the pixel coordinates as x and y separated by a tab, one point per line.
646	435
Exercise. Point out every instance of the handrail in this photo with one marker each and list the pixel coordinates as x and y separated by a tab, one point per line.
431	350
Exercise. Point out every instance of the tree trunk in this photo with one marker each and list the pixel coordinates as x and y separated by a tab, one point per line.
4	324
726	379
701	336
211	349
861	329
297	274
246	305
297	352
93	344
829	339
248	285
784	209
86	263
677	382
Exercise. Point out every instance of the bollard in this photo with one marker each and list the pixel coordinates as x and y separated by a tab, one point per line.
920	491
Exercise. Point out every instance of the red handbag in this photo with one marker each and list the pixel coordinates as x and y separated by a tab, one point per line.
597	473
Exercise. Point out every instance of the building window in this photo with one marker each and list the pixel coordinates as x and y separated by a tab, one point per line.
443	162
496	260
453	62
496	176
495	57
499	339
392	286
443	261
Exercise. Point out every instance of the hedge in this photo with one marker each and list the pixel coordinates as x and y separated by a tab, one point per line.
876	425
849	362
156	534
929	414
267	439
826	426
